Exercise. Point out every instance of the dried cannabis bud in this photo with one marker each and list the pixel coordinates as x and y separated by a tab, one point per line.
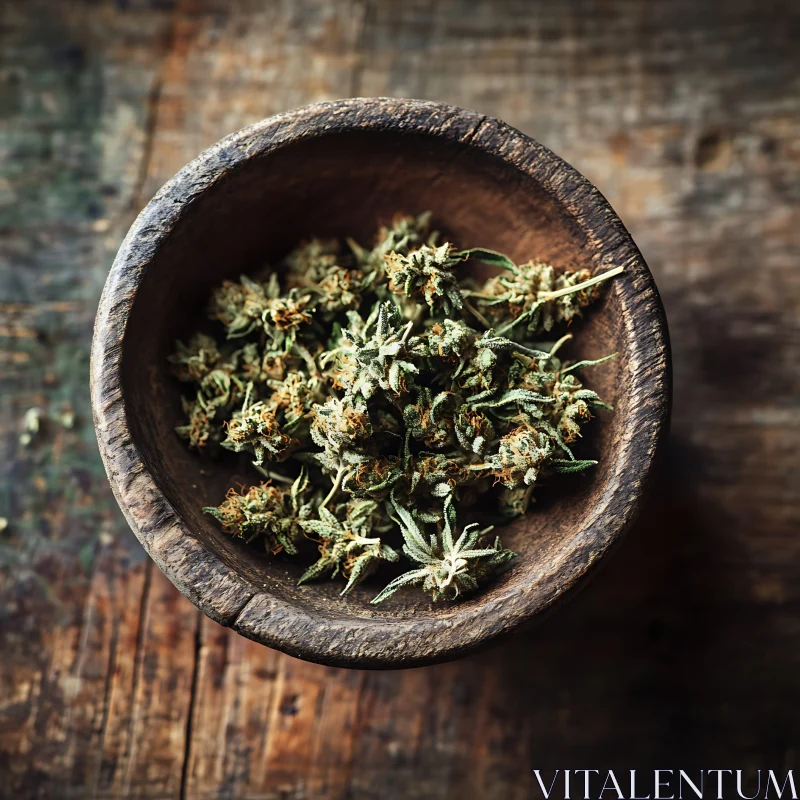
265	510
346	545
447	568
384	393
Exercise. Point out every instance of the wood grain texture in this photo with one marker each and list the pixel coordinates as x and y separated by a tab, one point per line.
684	651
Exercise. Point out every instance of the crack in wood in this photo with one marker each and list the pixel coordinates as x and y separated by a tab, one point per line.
193	694
107	687
151	118
138	666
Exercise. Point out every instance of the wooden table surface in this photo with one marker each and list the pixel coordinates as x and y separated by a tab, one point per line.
684	651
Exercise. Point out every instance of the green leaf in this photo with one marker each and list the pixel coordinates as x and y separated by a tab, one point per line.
503	344
414	576
582	364
565	466
411	532
515	396
491	257
315	570
358	572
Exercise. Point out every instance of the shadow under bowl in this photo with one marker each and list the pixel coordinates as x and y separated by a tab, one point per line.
341	169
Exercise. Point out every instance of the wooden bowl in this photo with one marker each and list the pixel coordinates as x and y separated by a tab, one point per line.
340	169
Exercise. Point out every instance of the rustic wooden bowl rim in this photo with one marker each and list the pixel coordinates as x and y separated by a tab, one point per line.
340	640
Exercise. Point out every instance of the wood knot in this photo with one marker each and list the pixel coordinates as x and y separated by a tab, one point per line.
713	151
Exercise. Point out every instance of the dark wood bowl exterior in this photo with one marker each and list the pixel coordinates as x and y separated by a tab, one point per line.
340	169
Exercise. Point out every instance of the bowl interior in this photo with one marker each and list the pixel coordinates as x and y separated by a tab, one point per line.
347	184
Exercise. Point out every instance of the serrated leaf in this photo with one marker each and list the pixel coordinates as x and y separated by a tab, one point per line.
564	466
491	257
413	576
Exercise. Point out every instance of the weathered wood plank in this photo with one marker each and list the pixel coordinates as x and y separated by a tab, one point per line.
78	84
161	696
685	649
111	743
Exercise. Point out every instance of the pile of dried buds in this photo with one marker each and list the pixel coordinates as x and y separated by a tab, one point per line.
379	393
